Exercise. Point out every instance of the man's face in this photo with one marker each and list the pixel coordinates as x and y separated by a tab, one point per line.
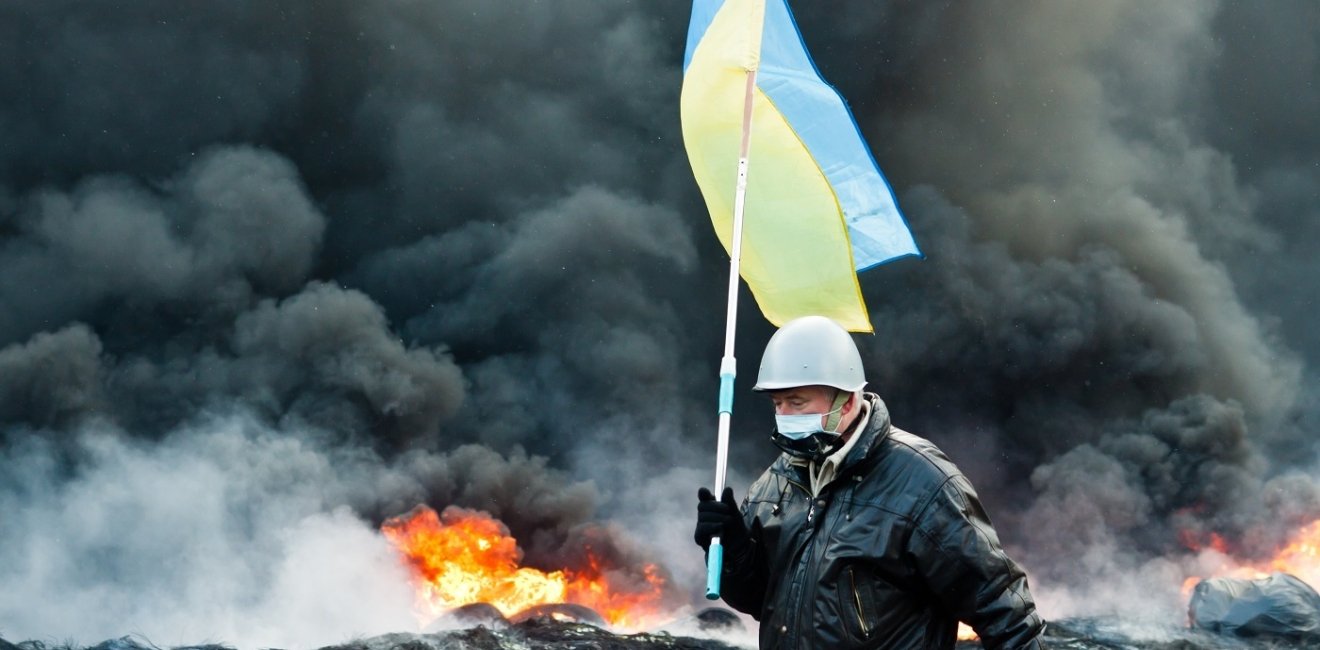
815	399
803	400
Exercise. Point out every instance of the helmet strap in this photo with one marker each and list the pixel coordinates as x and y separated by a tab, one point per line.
836	410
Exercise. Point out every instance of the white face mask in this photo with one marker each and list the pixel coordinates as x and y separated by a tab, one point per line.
798	427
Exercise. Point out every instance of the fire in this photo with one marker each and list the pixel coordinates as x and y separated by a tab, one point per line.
966	633
1300	557
463	556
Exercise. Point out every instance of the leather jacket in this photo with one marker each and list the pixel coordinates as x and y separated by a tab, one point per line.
891	554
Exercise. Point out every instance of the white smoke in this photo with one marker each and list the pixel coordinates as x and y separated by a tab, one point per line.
225	531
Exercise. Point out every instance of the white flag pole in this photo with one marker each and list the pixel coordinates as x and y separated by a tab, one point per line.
728	364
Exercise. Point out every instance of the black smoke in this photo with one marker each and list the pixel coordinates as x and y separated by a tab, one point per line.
273	270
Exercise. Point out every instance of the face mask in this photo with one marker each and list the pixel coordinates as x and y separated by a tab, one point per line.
804	436
797	427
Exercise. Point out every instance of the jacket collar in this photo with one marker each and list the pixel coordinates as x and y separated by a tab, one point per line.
877	429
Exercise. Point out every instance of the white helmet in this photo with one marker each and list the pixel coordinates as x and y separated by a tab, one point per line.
811	351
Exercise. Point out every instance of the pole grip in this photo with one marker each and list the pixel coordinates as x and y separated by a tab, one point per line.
714	567
726	388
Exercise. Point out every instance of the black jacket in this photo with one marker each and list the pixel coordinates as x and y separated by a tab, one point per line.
892	554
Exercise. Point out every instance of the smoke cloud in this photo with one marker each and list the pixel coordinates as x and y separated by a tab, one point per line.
275	272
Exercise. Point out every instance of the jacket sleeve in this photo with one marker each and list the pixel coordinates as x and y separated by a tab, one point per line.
743	581
958	554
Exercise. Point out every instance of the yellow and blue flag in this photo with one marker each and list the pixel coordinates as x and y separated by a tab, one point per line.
817	209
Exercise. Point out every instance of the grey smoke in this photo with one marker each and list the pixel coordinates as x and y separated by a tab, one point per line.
51	379
1089	229
358	256
233	223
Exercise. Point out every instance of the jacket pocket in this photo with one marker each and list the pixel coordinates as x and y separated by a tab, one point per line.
858	605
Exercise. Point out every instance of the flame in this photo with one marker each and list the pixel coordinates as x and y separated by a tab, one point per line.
1299	557
966	633
463	556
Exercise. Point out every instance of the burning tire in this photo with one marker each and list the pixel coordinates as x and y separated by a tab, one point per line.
718	619
469	616
567	612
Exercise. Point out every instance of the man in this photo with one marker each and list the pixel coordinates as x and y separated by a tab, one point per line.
860	535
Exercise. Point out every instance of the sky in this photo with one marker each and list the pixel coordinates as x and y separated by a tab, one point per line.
272	272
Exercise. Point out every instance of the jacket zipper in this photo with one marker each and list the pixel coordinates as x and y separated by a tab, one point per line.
795	614
813	560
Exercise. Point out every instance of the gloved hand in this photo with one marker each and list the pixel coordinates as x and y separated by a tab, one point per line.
722	518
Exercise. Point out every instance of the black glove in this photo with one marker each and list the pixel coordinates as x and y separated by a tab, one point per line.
719	518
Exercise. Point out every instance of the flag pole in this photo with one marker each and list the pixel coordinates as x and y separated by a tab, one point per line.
728	364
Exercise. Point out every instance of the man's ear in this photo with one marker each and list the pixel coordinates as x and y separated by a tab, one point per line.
851	405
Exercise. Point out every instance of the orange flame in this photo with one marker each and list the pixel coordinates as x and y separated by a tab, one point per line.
1299	557
463	556
966	633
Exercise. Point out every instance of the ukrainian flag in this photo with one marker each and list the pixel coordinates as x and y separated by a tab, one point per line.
817	209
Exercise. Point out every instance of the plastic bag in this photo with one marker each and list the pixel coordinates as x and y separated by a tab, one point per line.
1279	605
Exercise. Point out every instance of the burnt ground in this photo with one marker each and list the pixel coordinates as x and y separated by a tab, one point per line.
1072	634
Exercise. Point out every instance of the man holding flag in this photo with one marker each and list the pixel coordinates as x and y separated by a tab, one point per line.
860	535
